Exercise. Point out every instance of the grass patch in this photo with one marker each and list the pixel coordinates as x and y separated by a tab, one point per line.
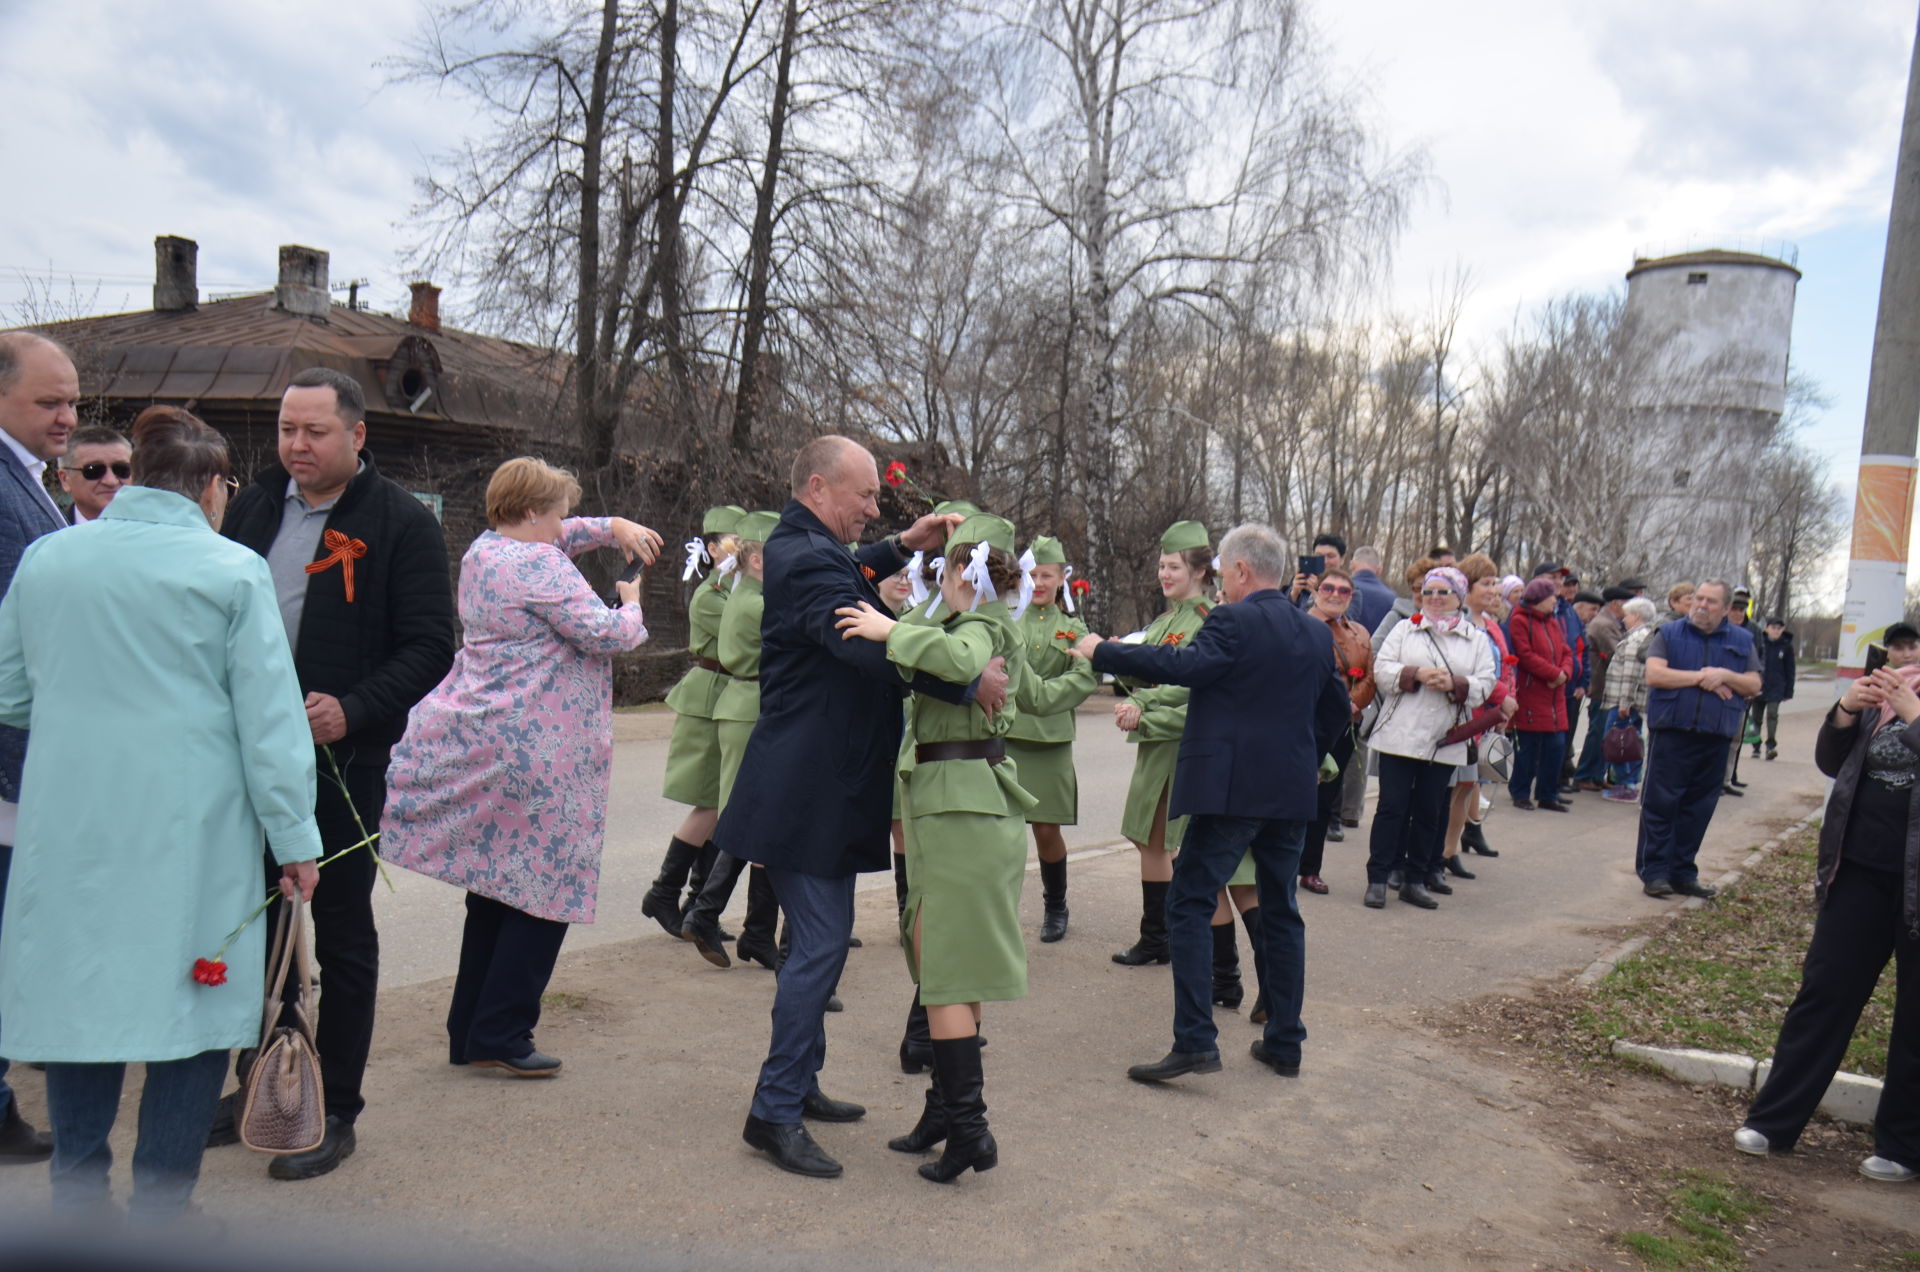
1721	978
1707	1213
563	1000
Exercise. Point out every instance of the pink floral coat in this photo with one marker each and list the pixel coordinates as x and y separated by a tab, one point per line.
500	784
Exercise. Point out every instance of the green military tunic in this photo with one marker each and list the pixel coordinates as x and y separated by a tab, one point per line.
965	820
917	615
1163	718
739	704
1041	740
693	753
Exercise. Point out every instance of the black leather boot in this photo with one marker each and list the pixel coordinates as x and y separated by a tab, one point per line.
1474	839
1053	889
662	902
932	1126
1227	990
916	1044
1258	1015
757	942
962	1092
702	922
1152	945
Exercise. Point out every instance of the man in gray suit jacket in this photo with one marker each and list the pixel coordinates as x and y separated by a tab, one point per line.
39	395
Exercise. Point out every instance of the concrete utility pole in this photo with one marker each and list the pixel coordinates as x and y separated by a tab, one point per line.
1883	509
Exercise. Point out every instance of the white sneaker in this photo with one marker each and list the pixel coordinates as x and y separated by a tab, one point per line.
1748	1140
1887	1172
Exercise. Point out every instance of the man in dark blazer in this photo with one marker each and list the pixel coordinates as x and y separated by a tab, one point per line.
39	395
1267	704
815	791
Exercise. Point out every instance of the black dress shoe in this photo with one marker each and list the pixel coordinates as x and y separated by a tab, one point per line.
1658	888
1454	868
1176	1064
1376	897
531	1065
789	1147
1555	806
705	935
1396	879
1335	835
855	943
226	1121
1526	805
1416	894
1350	822
1139	954
823	1108
20	1143
1437	882
1695	888
1265	1057
335	1148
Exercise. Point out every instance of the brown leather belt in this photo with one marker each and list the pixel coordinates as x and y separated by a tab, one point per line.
710	664
992	750
746	679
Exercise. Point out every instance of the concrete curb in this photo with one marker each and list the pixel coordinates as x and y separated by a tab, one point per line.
1600	967
1850	1098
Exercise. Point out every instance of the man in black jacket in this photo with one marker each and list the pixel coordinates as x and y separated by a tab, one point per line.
1267	704
360	567
1777	666
816	782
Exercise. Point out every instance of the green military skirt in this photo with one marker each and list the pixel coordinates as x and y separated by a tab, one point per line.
1153	764
964	874
693	763
733	735
1046	770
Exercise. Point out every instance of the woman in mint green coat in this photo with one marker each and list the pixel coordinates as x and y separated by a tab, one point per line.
966	835
146	656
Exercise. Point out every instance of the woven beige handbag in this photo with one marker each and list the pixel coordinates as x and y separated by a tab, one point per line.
284	1111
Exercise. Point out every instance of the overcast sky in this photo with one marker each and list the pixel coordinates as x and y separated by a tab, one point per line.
1565	136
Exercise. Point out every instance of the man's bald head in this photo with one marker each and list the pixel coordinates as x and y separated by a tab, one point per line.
838	481
15	346
39	393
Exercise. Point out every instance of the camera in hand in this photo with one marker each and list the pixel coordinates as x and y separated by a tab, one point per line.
1315	564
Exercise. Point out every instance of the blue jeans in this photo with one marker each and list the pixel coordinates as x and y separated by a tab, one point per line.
1685	775
1593	759
176	1110
819	920
1209	855
1536	765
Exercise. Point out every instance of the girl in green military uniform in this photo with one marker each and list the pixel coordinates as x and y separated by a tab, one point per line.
1041	740
735	711
693	754
966	840
1153	718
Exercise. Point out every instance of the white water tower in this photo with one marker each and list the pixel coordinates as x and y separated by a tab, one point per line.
1711	330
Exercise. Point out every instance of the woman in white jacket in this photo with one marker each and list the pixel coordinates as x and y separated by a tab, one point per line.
1432	670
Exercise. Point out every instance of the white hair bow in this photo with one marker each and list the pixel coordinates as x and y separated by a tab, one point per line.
1216	564
1066	587
729	564
696	557
916	584
939	577
977	574
1026	584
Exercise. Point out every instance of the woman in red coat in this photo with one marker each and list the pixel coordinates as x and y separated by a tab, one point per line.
1545	665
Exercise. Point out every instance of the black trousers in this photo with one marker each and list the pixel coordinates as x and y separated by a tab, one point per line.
1858	930
1684	777
506	960
1411	817
345	945
1314	854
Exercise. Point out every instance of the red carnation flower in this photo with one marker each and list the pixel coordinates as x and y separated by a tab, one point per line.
1419	619
1356	672
1511	660
896	473
1080	587
209	971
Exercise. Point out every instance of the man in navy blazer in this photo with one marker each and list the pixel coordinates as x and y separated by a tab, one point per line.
39	394
815	791
1267	704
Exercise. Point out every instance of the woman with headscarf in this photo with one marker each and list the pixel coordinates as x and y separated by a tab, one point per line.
1483	611
1432	670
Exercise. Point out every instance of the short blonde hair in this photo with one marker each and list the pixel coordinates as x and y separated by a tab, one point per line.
1677	591
524	486
1478	566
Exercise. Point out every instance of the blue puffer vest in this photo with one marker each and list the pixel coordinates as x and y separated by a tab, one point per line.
1699	710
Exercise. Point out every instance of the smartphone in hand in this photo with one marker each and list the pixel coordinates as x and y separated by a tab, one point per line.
630	575
1315	564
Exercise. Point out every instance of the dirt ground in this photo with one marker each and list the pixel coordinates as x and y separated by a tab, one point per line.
1438	1123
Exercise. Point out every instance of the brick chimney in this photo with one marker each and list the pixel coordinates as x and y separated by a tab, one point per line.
303	282
425	312
176	273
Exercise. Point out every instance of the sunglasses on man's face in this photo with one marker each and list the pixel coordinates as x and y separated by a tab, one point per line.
98	469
